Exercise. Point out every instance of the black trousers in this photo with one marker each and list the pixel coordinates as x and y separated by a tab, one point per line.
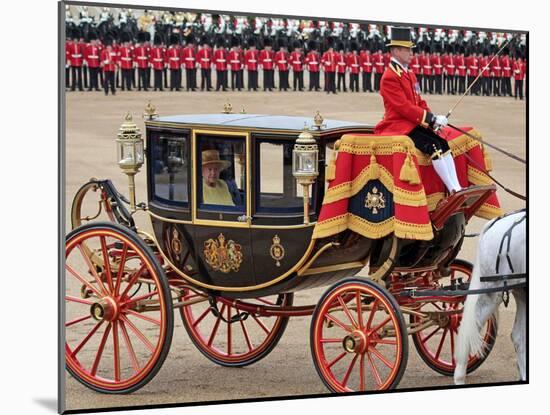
428	84
109	81
428	142
419	78
377	77
158	79
354	82
269	82
175	79
252	80
240	79
165	77
506	86
496	86
367	81
342	81
76	78
314	81
85	76
450	81
67	77
94	76
298	80
206	79
461	84
438	84
330	79
190	78
221	80
236	81
518	89
127	77
148	76
142	79
283	80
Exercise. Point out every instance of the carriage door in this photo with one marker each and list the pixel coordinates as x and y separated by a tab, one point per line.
221	207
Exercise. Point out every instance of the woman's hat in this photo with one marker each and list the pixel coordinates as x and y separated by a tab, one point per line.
401	36
213	157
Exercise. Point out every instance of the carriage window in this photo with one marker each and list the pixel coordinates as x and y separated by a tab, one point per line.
279	191
221	178
169	168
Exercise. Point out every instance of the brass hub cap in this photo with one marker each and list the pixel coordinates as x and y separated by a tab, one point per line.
105	309
356	342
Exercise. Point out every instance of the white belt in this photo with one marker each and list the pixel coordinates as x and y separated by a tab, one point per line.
93	56
354	65
158	60
175	59
76	56
235	61
126	59
205	59
462	67
267	60
314	63
507	68
296	62
142	57
220	60
282	62
189	59
451	66
252	60
438	66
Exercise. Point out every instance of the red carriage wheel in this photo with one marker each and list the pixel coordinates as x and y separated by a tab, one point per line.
358	337
436	345
118	309
229	336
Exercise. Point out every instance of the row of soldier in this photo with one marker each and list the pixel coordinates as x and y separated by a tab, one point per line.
437	73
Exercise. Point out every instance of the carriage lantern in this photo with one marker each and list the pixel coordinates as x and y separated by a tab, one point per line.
305	156
130	153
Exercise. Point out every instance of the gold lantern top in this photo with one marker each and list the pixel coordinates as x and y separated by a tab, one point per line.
130	146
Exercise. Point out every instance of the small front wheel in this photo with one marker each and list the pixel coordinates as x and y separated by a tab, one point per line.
358	337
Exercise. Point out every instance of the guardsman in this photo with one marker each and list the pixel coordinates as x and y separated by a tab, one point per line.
341	67
68	40
378	61
173	59
220	62
157	61
126	59
416	67
236	62
427	71
354	64
486	75
282	59
496	69
92	58
437	64
141	61
406	113
328	62
76	57
189	61
461	71
519	75
297	63
313	63
472	62
449	65
109	60
204	57
266	63
506	80
147	45
251	61
365	58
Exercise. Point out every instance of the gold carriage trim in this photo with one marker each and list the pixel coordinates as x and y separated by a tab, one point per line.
373	230
400	196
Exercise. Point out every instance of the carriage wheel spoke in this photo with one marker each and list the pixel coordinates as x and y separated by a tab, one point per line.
362	372
116	351
374	371
129	347
379	326
201	317
92	269
380	356
229	339
337	322
77	320
82	280
139	334
372	312
348	372
99	353
121	269
141	297
359	309
262	325
106	263
133	280
346	311
441	342
87	338
336	360
70	298
429	336
246	336
216	325
330	340
452	347
143	317
386	341
263	300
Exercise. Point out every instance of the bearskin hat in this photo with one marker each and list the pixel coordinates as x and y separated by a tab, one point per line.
312	45
235	41
268	42
190	39
340	46
141	37
427	49
296	44
75	34
125	37
147	36
174	39
281	44
353	46
92	35
330	42
108	41
158	39
220	41
205	41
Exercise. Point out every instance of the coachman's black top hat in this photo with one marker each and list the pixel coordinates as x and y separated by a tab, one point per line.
401	36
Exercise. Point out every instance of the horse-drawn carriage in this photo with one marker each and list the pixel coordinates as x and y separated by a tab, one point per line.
281	214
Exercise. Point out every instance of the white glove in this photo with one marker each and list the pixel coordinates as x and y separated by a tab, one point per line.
440	121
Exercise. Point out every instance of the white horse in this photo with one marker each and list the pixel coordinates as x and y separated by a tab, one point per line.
501	251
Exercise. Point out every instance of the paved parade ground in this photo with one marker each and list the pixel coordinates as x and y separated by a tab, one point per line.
92	123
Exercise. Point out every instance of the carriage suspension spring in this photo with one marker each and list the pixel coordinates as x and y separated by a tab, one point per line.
237	317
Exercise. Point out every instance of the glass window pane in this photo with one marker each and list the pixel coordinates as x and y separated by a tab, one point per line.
170	168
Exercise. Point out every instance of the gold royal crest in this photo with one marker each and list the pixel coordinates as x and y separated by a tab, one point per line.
222	256
375	201
277	251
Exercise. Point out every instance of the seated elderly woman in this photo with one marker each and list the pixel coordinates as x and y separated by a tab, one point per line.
214	190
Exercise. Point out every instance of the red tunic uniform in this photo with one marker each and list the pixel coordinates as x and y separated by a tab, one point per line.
365	61
297	61
235	58
404	108
126	57
519	70
141	56
329	61
313	61
472	63
353	62
189	57
460	66
220	59
157	58
482	64
387	59
341	62
252	59
449	64
76	54
282	61
266	59
108	60
496	67
173	57
204	57
437	64
415	65
506	66
92	55
426	63
378	60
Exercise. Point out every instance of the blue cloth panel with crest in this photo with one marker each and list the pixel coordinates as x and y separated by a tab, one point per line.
379	195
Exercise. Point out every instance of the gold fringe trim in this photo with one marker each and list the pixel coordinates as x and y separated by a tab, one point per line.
434	199
477	177
487	158
409	172
487	211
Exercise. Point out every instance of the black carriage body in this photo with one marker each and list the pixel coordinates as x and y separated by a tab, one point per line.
260	246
